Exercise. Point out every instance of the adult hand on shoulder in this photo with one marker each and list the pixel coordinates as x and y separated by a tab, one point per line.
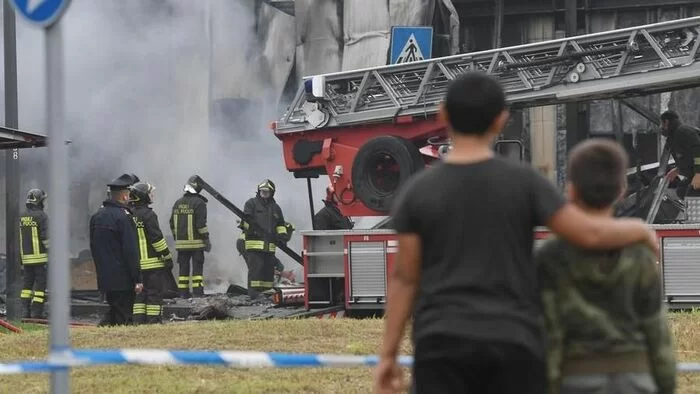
138	288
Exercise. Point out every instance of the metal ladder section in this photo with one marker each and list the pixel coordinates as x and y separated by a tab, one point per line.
615	64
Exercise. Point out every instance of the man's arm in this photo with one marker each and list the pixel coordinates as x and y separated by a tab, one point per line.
155	236
403	287
130	248
248	211
44	230
654	324
281	225
575	226
200	220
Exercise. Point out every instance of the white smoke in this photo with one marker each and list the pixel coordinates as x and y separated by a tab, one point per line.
138	77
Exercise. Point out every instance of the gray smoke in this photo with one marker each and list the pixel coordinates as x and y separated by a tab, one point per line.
138	99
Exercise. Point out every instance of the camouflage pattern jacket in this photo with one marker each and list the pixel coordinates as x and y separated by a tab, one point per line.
604	304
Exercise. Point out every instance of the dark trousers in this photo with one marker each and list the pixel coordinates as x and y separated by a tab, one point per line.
121	305
197	277
261	271
33	292
478	367
148	305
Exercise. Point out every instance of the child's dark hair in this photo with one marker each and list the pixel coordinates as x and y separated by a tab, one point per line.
474	100
597	170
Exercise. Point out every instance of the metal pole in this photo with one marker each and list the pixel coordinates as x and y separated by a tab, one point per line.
59	277
12	185
311	201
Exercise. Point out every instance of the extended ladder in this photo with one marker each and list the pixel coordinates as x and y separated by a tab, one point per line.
619	63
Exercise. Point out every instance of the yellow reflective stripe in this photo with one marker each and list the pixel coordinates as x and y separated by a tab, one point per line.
245	225
39	293
38	300
183	282
166	257
153	310
190	227
204	230
152	265
139	309
160	246
281	229
697	161
175	226
143	244
35	259
254	244
35	240
260	283
25	294
242	236
196	244
198	277
21	244
271	247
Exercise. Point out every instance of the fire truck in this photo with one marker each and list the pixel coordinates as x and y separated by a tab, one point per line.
369	130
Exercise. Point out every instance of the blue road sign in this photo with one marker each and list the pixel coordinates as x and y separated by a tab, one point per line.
40	12
411	43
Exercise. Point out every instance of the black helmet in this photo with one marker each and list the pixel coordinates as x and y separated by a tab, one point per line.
141	193
193	185
36	197
266	185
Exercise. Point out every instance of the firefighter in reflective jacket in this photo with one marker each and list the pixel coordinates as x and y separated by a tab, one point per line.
279	267
188	223
259	248
154	256
34	241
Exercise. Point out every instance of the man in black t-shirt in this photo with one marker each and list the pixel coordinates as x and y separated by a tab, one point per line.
464	266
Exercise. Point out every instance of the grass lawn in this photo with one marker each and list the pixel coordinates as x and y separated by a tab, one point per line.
307	336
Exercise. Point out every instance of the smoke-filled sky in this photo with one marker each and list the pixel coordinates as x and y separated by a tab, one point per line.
137	78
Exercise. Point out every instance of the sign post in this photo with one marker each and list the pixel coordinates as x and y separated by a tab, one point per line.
411	44
45	14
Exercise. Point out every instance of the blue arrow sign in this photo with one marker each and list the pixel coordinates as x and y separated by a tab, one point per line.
42	13
411	44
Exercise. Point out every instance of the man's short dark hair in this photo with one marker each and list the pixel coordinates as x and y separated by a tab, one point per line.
474	100
597	170
670	115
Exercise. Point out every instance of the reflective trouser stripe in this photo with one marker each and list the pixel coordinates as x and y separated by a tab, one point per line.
139	308
153	310
183	282
261	284
197	281
26	293
38	297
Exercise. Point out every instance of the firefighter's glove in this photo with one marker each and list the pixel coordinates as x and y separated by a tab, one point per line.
207	246
169	263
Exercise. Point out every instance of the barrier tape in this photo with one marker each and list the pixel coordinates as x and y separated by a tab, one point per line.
82	358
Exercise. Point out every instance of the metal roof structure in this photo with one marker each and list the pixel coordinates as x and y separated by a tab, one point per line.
18	139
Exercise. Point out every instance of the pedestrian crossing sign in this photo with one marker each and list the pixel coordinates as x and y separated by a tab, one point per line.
411	44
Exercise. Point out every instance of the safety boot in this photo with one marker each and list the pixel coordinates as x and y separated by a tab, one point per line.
37	310
198	292
185	294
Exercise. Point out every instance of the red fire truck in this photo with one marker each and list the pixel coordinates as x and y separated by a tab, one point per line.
369	130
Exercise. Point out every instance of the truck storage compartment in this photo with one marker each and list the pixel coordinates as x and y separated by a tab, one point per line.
324	258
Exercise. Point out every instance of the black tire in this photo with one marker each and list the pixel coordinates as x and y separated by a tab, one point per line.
378	190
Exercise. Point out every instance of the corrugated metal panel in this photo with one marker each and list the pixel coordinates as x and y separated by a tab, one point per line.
319	37
367	32
681	266
367	262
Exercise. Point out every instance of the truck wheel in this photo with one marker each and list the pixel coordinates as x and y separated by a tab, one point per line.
381	167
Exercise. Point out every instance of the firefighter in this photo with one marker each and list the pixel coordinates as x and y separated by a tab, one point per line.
34	241
685	148
188	223
155	257
329	217
259	247
115	251
279	267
